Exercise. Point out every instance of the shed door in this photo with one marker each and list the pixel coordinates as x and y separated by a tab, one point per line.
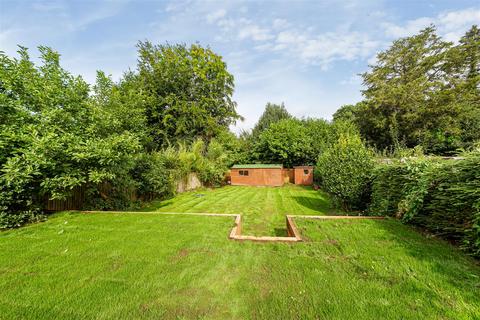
273	177
305	176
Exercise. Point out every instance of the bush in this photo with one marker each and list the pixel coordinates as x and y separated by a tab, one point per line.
215	165
19	218
151	176
441	196
345	169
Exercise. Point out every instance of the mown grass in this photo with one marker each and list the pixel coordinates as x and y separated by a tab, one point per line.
153	266
263	209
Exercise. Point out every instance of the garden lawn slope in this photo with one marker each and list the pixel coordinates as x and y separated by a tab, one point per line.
263	209
154	266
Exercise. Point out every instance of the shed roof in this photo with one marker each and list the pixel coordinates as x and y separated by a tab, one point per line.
257	166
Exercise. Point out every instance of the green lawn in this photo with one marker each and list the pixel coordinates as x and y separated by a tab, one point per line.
152	266
263	209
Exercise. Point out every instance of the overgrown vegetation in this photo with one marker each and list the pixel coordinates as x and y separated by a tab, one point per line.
123	141
441	196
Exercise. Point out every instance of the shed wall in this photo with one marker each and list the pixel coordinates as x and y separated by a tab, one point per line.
303	178
288	175
257	177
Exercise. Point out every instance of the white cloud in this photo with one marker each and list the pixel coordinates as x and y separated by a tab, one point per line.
216	15
306	44
454	24
451	25
353	80
280	23
410	28
47	6
373	59
254	32
325	48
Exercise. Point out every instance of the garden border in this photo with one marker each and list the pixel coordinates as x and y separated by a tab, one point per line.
293	235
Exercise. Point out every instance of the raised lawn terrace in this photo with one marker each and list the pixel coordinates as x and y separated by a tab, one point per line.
263	209
148	265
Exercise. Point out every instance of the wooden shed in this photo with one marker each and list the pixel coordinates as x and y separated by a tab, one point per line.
257	175
303	175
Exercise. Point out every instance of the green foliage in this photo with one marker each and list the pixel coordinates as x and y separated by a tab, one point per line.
321	134
152	176
346	113
187	92
233	147
292	141
56	135
53	135
272	114
422	91
210	162
441	196
345	170
286	141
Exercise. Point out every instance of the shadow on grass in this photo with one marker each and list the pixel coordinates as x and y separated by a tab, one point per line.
281	232
457	268
322	205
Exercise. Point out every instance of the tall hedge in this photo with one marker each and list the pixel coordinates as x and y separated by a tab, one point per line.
441	196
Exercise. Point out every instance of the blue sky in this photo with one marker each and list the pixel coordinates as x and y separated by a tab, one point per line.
306	54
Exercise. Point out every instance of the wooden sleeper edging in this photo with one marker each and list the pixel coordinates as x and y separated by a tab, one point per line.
236	232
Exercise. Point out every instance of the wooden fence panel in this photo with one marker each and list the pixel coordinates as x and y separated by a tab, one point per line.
74	202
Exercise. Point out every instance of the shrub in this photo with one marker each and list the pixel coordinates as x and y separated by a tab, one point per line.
151	176
215	165
345	169
441	196
399	188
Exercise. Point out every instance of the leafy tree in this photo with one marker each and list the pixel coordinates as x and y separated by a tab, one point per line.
464	83
402	93
54	143
286	141
320	134
272	114
423	91
187	91
120	107
347	112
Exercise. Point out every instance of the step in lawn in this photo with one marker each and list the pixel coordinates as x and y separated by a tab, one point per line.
263	209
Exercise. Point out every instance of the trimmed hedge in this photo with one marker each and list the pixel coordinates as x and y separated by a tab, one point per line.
440	196
344	171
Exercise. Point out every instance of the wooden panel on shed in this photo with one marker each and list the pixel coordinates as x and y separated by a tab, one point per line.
288	175
304	175
257	177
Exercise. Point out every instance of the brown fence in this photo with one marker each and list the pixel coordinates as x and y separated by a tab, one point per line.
74	202
77	198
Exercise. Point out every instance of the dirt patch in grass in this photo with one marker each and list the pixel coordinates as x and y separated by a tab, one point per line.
184	253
